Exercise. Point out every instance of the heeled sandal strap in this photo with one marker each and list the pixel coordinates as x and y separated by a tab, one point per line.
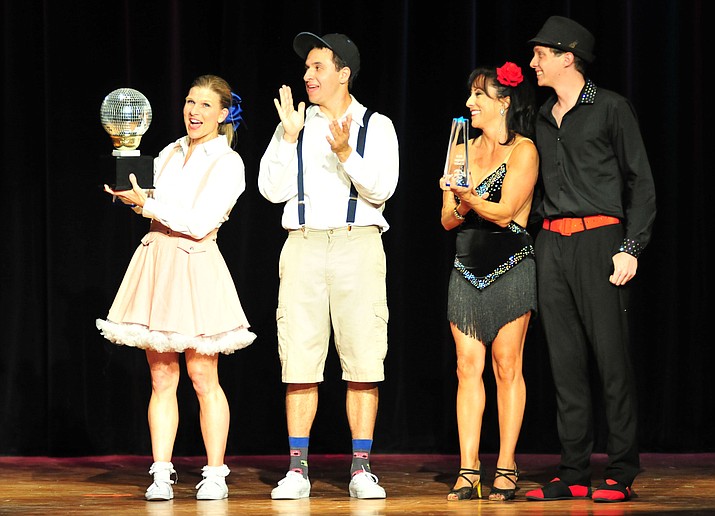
470	471
467	492
463	472
508	473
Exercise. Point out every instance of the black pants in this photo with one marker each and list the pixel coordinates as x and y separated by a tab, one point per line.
580	308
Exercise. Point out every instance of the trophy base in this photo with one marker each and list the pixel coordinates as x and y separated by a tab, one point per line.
116	170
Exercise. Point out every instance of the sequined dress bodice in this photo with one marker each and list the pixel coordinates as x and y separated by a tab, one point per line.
484	250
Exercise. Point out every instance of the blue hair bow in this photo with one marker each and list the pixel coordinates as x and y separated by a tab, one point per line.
234	112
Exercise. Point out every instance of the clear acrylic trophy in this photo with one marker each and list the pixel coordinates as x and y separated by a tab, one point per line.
457	162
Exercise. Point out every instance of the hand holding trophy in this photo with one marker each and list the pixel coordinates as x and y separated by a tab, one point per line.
456	165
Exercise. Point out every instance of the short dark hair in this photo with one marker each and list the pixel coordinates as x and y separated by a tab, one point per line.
578	62
339	63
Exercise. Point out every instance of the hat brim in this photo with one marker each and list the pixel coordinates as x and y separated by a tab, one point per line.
304	42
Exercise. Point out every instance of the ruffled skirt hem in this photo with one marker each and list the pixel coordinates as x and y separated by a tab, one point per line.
139	336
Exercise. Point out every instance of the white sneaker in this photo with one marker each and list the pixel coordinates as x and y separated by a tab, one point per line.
292	487
161	488
364	485
213	486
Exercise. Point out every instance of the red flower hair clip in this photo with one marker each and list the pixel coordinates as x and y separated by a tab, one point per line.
509	74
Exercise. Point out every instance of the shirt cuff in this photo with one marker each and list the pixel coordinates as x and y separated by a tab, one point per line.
631	247
147	212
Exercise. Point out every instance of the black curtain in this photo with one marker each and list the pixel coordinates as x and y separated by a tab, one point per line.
66	391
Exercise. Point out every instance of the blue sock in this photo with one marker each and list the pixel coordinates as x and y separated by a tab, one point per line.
299	455
361	456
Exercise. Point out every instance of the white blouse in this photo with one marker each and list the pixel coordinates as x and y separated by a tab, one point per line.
196	197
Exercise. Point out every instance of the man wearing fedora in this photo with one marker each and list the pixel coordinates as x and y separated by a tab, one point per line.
334	172
598	206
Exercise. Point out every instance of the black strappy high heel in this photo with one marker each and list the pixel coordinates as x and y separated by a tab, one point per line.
467	492
504	495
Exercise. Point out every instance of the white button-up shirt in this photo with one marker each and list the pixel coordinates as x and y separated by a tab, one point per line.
196	197
326	180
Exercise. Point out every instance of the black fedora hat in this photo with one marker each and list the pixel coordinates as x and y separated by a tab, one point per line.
567	35
342	45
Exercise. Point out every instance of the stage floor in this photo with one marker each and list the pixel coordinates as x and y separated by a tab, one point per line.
682	484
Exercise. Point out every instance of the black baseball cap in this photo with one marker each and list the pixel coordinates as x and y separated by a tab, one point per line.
340	44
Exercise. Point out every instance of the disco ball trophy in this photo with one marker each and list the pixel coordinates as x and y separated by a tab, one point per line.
457	162
126	116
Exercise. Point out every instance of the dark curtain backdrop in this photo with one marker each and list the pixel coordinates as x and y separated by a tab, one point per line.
65	391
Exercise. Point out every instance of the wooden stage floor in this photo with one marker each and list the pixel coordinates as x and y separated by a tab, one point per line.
670	484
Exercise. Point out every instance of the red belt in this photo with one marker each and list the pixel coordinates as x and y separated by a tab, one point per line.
567	226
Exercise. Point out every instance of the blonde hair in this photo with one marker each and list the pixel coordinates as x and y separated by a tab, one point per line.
223	90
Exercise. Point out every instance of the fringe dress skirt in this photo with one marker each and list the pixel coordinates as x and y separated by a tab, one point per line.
482	313
177	294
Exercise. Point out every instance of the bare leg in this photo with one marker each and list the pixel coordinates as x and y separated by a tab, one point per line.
361	402
507	357
163	412
301	406
471	355
214	412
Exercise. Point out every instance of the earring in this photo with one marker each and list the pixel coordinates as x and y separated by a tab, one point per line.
501	111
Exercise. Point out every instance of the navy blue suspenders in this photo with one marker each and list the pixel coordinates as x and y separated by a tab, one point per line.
352	203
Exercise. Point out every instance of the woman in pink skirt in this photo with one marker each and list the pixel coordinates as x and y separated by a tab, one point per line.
178	295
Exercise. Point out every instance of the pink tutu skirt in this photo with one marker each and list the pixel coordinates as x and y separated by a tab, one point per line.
177	294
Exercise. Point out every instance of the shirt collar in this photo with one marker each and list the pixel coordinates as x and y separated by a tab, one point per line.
587	96
355	109
588	93
210	147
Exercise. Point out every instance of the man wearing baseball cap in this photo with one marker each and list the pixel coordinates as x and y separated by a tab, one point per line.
323	162
598	208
